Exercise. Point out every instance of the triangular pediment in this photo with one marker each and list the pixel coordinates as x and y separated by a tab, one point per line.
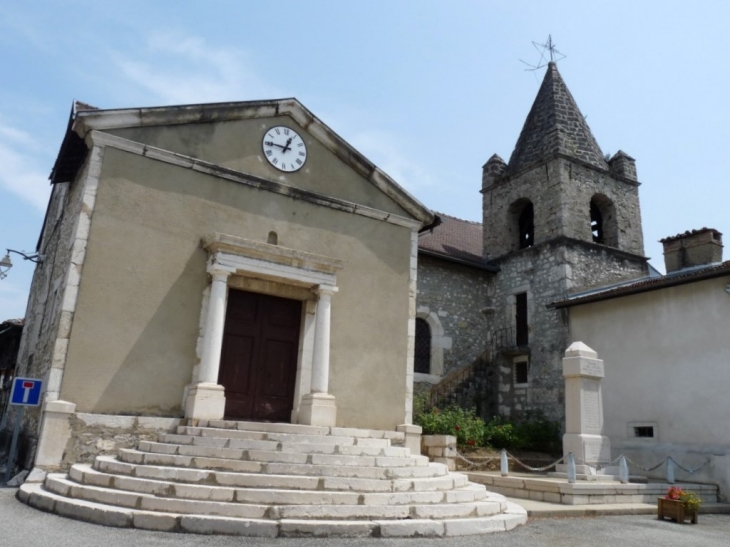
211	132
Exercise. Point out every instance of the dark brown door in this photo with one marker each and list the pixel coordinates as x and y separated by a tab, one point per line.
259	358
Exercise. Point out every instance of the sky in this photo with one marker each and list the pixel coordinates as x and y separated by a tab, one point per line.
426	90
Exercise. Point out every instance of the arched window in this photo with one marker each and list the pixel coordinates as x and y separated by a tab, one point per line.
527	226
522	223
604	228
596	223
422	353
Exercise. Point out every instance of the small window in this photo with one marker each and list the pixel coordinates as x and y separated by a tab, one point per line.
422	353
521	368
644	431
273	238
521	327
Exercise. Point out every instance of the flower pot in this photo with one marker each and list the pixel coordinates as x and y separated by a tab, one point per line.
675	510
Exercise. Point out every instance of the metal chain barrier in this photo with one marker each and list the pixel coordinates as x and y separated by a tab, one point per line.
544	468
581	462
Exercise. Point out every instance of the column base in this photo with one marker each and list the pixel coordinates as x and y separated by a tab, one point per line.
413	437
205	402
55	433
318	409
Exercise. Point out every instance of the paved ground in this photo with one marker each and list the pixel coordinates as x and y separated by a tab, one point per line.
23	526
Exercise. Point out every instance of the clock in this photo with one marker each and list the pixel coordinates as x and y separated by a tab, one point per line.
284	149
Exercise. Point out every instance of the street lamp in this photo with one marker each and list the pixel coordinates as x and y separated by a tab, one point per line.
6	264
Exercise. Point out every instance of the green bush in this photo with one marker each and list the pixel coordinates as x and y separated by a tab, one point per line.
465	425
539	434
499	433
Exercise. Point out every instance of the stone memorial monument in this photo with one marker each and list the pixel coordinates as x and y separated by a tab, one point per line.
583	372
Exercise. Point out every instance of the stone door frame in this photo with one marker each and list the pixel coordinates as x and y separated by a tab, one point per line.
270	269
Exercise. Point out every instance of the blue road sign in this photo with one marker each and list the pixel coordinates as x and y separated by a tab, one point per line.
26	392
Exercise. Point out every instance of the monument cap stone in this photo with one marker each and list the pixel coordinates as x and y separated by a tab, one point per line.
579	349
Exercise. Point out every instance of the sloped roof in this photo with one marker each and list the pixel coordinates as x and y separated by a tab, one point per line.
646	284
554	125
455	239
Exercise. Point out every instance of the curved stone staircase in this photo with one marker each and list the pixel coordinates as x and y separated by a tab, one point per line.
263	479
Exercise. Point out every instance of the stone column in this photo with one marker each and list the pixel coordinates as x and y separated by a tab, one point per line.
318	407
206	399
584	410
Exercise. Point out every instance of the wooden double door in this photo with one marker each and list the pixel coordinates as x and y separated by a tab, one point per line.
259	358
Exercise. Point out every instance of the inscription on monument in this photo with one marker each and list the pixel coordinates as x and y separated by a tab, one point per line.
591	406
597	450
592	367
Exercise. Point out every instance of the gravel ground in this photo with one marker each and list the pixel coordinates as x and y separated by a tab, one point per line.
23	526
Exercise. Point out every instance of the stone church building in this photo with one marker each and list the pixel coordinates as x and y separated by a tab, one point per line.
558	217
167	226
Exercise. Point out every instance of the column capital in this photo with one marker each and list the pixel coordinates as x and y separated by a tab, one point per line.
325	290
218	273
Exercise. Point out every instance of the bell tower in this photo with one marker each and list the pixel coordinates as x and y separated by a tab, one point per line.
558	218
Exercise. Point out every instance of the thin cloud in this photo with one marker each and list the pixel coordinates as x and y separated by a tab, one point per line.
180	70
382	149
20	173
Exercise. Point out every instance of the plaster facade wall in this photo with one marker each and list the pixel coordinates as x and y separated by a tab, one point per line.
457	297
560	191
666	360
237	145
133	350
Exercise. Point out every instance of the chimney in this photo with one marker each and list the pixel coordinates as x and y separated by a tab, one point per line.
692	248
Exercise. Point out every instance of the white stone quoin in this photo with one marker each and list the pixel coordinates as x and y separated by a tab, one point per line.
583	372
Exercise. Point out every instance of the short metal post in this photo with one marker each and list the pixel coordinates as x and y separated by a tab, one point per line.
503	463
571	468
12	455
623	470
670	470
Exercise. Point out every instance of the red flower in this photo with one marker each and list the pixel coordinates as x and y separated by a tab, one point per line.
674	493
457	428
471	442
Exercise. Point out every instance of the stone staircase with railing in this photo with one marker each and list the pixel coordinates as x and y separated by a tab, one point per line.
465	386
269	480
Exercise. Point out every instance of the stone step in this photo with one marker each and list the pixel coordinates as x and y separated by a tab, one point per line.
213	433
62	486
105	468
279	456
88	484
202	446
112	466
226	462
35	495
397	437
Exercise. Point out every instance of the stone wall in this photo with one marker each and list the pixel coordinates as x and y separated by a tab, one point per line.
561	191
456	297
546	273
100	434
52	299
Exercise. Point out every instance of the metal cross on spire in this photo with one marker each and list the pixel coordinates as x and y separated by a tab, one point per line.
543	49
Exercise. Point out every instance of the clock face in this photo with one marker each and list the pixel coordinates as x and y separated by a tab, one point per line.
284	149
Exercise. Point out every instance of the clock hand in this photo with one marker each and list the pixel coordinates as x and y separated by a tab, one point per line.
288	142
270	143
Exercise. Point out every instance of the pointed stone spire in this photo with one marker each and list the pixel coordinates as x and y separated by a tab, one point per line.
555	126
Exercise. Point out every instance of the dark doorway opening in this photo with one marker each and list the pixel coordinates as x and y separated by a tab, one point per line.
422	357
521	328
